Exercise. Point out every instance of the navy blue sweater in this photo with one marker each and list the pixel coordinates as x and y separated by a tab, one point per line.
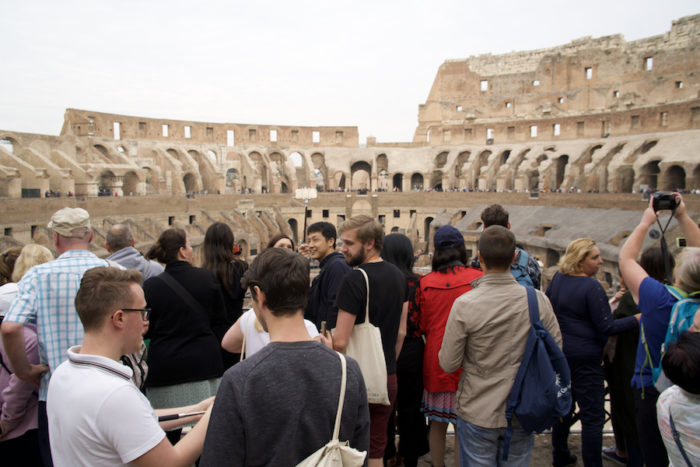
584	316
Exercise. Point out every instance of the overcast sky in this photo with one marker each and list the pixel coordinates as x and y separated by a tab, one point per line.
366	63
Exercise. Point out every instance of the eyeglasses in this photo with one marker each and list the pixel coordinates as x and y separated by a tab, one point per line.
145	312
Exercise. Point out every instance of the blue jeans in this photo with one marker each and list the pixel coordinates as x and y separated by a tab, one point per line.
484	446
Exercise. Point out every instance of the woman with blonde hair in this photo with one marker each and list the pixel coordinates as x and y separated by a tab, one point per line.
582	309
15	262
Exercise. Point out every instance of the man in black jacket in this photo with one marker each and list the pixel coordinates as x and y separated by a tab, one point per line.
320	245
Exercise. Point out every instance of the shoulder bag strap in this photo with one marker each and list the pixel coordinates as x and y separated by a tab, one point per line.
242	345
343	383
182	292
532	305
677	439
367	304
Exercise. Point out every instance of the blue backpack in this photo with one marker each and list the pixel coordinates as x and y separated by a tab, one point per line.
541	393
519	269
682	315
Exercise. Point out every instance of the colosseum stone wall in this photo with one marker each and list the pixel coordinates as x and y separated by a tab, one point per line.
591	117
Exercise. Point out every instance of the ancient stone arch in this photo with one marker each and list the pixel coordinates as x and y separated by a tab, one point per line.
207	170
397	182
650	174
417	182
130	184
560	171
382	163
642	149
441	160
624	179
190	182
673	178
436	180
361	176
339	180
108	183
320	170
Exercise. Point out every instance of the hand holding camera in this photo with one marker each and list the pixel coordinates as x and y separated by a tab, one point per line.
664	201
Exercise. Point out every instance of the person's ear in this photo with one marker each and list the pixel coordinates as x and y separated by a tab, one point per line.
117	319
262	300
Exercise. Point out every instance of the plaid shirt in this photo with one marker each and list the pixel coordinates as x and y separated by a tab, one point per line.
46	297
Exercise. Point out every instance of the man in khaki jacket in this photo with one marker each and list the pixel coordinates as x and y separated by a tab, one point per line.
486	335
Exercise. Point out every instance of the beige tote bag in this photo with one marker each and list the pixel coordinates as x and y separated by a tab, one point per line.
336	452
365	346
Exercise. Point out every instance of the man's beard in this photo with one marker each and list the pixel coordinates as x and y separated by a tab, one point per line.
356	260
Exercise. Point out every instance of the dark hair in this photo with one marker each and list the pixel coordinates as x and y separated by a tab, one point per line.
279	237
102	291
284	277
494	215
217	250
168	246
497	247
443	258
652	261
119	236
7	263
681	362
325	228
398	250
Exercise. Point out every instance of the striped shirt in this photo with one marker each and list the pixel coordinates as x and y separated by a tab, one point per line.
46	297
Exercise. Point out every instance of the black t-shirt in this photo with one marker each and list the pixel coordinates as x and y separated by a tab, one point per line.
388	290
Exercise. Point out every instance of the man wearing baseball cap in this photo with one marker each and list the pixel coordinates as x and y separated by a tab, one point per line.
46	297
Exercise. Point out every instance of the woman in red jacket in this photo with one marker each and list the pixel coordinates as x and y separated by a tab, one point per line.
436	294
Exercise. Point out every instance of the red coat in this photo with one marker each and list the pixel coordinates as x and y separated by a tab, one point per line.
434	298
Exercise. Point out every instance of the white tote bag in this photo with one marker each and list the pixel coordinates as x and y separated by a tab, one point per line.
336	452
365	346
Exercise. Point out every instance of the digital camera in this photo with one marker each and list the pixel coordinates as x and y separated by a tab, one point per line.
664	201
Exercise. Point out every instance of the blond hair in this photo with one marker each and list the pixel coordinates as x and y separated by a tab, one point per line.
31	255
576	252
687	272
367	229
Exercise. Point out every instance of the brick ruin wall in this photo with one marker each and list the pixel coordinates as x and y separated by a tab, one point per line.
591	87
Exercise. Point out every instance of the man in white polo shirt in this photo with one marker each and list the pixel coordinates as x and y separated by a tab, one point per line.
96	414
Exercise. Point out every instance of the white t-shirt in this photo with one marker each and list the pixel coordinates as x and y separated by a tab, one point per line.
685	408
256	340
97	417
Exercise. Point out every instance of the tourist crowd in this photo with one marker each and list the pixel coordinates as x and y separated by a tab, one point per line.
104	361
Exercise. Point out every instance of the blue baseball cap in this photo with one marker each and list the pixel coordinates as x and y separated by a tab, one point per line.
447	237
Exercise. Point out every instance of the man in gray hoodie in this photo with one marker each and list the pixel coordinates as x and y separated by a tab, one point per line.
120	244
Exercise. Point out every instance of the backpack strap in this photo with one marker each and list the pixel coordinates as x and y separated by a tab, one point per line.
343	384
680	294
182	292
512	401
532	305
677	439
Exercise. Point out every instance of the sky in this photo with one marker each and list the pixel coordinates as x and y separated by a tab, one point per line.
364	63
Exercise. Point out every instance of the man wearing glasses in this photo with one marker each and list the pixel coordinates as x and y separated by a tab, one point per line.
97	416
